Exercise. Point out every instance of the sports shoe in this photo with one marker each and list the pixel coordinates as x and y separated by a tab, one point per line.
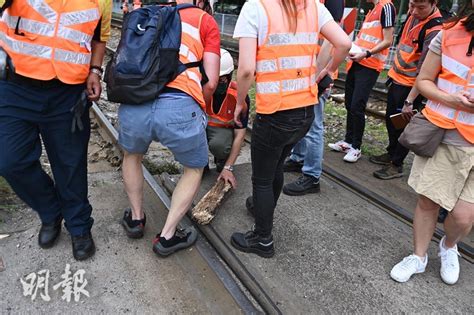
305	184
352	155
292	166
383	159
133	228
340	146
388	172
182	238
251	242
410	265
449	263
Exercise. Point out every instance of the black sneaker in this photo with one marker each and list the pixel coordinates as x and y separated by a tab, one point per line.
182	238
388	172
133	228
292	166
383	159
249	206
305	184
251	242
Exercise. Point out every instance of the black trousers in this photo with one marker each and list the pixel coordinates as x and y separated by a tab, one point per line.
396	96
359	83
273	137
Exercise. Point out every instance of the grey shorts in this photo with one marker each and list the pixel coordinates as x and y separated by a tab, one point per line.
175	120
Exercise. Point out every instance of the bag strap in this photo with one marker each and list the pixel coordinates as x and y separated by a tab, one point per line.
421	36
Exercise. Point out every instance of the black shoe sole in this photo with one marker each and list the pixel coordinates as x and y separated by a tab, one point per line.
314	190
261	253
131	233
387	177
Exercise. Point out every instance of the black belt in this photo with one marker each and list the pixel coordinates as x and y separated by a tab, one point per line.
25	81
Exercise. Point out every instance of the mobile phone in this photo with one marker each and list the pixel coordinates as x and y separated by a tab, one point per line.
324	84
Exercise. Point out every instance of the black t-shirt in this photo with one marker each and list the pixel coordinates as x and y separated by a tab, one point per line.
388	16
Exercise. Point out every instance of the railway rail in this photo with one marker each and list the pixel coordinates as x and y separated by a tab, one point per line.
219	248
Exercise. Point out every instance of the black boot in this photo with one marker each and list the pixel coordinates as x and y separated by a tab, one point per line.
292	166
83	246
49	233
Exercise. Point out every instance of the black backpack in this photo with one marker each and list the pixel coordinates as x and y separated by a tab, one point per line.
147	57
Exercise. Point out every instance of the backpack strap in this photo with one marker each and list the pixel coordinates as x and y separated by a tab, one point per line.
430	24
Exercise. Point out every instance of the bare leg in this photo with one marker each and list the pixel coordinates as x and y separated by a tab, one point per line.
132	173
424	223
182	198
459	222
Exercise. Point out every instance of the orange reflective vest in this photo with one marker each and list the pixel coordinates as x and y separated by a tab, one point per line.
50	39
225	117
405	63
370	34
457	73
191	50
286	61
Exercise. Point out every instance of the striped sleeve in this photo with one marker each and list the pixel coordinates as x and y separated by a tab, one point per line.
388	16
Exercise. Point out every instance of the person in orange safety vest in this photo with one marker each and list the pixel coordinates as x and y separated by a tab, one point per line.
224	137
367	59
278	45
55	50
422	25
446	179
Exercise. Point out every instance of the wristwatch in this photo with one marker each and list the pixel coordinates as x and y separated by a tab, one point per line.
96	71
368	54
407	103
230	168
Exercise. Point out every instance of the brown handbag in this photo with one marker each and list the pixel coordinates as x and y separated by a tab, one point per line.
421	136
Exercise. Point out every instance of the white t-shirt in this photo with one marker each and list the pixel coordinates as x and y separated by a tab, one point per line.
253	22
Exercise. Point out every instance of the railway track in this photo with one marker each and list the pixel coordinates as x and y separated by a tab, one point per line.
219	248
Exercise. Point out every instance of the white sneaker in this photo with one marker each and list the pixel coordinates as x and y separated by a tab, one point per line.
449	263
340	146
410	265
352	155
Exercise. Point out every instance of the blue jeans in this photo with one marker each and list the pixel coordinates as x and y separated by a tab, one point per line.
273	136
310	149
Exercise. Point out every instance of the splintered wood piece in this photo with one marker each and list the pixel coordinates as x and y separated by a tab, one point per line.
206	209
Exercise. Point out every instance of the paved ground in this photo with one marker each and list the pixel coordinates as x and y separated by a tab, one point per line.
334	253
124	276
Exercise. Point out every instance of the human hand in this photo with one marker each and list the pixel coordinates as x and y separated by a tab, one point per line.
463	100
240	112
93	86
228	177
407	112
357	56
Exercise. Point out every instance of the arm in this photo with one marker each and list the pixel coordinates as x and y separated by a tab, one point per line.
93	80
245	74
342	44
425	83
226	175
211	63
385	43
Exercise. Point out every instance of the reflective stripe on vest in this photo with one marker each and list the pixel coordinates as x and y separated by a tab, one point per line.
405	64
191	50
371	34
286	61
61	41
457	73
